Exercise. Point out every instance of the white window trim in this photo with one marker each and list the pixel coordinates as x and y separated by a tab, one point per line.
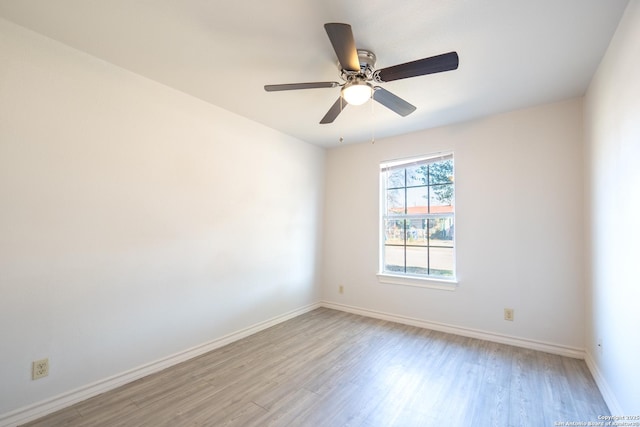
418	281
431	282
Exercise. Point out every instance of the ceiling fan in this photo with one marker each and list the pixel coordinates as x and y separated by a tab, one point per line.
357	70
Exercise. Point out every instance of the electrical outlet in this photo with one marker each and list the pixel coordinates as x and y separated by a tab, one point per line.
341	289
508	314
40	369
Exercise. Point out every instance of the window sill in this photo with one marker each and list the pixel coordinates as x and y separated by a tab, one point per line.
421	282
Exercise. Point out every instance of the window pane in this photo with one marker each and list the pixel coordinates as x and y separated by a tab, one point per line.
441	198
417	260
441	261
441	232
395	202
417	199
394	232
441	172
394	259
417	175
417	232
395	178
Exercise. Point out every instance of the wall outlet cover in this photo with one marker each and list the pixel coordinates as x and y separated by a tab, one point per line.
40	369
508	314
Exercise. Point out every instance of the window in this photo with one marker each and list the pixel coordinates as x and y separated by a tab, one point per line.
417	218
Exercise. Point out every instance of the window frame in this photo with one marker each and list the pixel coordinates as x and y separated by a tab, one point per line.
404	278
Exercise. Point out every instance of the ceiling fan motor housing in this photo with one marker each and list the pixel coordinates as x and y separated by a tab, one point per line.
367	60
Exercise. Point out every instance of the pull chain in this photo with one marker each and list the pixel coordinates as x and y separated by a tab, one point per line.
341	139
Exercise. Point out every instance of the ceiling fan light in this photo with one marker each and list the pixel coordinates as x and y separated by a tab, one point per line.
357	93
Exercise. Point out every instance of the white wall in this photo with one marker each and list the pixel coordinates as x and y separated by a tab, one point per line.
519	225
612	132
136	221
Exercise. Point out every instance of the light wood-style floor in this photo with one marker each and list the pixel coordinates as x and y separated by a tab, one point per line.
328	368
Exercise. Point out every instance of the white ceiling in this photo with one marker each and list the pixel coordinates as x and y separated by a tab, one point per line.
513	53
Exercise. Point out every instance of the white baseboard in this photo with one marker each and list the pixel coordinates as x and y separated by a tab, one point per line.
562	350
606	391
40	409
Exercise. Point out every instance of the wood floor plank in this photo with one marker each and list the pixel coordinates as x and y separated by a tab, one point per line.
289	410
330	368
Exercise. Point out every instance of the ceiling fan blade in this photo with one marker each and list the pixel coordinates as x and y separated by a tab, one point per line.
421	67
393	102
296	86
344	44
333	112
